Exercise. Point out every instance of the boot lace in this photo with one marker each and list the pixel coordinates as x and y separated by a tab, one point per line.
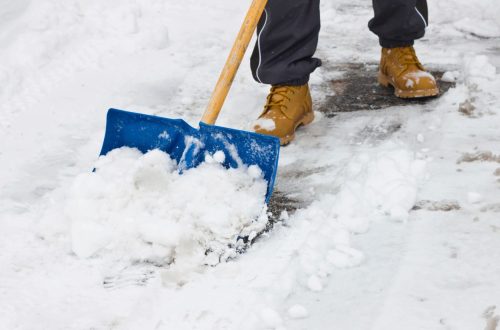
407	56
276	102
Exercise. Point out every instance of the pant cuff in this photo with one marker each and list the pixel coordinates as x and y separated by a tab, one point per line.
295	82
386	43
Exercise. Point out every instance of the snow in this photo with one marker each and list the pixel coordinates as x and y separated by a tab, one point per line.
474	197
414	77
450	76
137	207
314	284
395	228
485	29
220	156
479	67
271	319
409	83
265	124
298	312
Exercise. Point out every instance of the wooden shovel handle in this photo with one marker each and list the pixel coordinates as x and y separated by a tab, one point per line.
233	62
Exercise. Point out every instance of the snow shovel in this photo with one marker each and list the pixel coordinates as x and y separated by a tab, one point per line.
187	145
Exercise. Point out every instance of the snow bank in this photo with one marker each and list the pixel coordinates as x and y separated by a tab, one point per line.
481	19
136	206
478	68
55	39
376	187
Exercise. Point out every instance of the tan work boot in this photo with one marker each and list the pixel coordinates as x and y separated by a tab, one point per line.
401	68
287	108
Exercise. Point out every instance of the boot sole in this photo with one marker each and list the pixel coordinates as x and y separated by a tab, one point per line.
386	82
306	120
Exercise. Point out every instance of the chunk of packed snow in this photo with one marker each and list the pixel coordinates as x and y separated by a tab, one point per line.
314	283
284	216
265	124
398	213
298	312
219	157
136	206
255	172
386	182
479	67
271	318
474	197
450	76
345	257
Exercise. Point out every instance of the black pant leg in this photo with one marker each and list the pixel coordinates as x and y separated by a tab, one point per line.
287	37
399	23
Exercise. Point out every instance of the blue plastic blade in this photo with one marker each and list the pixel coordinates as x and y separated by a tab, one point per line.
188	145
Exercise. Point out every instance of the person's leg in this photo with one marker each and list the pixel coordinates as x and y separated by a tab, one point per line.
287	37
398	23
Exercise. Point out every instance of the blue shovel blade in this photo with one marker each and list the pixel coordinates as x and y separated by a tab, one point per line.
188	145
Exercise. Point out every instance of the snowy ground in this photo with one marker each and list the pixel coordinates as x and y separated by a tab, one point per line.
398	225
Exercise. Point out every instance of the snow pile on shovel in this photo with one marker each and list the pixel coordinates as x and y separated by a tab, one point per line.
137	207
